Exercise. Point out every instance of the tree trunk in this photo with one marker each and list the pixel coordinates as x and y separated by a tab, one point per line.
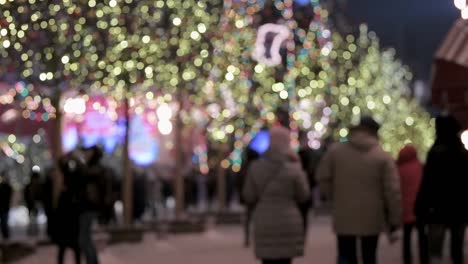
127	176
57	150
178	170
57	128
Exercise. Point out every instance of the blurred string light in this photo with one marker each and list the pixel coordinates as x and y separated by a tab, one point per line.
370	81
338	78
44	46
34	105
122	48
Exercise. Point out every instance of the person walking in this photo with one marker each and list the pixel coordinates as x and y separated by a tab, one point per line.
361	180
33	199
95	192
410	170
63	217
275	185
5	202
441	202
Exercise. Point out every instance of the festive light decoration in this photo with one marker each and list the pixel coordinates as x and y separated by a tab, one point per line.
460	4
332	81
44	46
33	104
270	56
463	6
144	147
22	154
261	142
194	63
369	81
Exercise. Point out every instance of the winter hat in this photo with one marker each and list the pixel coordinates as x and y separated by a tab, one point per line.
369	123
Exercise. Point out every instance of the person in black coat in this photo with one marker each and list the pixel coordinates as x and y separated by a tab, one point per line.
64	215
441	201
5	200
32	198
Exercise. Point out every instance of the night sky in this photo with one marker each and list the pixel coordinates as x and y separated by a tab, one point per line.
415	28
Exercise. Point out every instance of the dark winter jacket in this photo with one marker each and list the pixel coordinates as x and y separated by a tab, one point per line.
443	195
5	196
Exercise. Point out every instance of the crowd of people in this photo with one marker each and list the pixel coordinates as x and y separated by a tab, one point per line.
74	195
370	194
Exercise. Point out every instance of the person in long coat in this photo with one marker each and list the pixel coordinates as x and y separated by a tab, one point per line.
411	170
361	180
443	196
275	185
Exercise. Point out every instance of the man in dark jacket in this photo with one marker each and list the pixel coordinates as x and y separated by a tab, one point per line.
5	200
441	202
95	195
32	198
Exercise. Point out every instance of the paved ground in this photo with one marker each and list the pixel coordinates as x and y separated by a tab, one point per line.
222	245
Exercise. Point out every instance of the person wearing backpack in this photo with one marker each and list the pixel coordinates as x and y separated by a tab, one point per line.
275	185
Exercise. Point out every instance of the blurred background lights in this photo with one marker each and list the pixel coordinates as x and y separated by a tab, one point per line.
465	13
463	6
75	106
460	4
261	142
36	168
164	112
464	138
36	139
165	127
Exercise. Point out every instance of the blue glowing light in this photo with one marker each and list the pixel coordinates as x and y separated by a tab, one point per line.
146	156
144	148
302	2
110	143
261	142
70	139
88	141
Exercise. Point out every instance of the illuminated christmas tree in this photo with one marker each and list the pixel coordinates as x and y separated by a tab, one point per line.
158	46
39	39
328	80
371	81
254	91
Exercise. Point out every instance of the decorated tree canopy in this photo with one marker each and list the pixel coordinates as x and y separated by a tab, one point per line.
335	79
371	81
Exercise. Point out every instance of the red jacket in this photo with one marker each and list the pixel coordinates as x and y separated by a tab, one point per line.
410	170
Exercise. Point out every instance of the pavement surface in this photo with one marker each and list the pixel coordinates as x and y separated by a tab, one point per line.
219	245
